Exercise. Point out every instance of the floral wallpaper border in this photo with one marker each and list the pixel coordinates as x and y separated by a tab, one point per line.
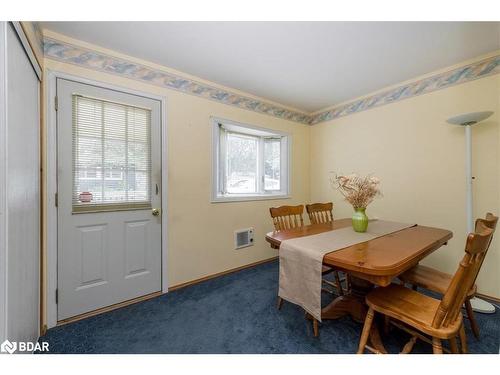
69	53
38	34
440	81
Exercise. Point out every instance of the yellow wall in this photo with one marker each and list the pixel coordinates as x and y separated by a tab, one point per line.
200	233
420	159
408	144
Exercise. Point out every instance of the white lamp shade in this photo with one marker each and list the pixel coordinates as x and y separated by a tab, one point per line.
469	118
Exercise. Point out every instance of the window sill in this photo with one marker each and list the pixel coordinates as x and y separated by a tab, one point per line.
246	198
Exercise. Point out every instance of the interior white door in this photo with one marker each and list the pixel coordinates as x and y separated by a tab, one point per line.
109	197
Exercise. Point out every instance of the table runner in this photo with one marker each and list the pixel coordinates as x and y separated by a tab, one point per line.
301	261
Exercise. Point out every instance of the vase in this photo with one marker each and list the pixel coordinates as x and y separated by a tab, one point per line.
359	220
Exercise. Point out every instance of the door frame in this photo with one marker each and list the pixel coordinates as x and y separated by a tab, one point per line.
51	178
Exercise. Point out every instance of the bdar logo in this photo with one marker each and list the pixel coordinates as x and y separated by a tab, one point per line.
8	347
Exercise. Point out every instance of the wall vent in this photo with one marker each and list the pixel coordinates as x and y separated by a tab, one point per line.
243	238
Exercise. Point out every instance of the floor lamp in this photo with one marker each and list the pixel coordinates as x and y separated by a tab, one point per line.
467	120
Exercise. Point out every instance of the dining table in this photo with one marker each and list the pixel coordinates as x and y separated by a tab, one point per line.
372	263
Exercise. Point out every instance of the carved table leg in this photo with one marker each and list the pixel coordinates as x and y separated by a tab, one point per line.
376	340
353	304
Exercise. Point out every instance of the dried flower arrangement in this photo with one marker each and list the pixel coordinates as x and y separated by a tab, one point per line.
358	191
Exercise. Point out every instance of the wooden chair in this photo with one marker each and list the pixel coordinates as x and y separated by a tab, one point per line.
287	217
421	315
437	281
320	212
323	213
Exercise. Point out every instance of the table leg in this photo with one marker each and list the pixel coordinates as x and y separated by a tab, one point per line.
376	340
353	304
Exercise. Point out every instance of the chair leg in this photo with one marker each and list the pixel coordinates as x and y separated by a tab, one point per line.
339	284
470	314
387	325
453	345
437	347
409	345
280	303
327	290
366	330
463	339
315	328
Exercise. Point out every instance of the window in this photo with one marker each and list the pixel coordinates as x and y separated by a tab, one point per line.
248	162
111	156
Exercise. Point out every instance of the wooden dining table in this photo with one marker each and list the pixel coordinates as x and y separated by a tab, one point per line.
372	263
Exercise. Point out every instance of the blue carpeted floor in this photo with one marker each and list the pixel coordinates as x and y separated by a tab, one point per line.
230	314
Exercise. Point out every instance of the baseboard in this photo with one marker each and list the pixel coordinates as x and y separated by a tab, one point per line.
485	296
156	294
232	270
108	308
186	284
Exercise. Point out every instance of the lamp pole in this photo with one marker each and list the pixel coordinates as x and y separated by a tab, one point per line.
468	177
467	120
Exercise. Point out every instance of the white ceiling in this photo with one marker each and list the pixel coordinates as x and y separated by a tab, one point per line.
306	65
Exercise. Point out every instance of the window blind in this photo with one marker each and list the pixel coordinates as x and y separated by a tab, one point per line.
111	155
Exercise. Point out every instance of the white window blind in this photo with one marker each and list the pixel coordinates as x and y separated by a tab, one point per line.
111	156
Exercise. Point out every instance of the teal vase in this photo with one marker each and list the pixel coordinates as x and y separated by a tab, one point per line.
359	220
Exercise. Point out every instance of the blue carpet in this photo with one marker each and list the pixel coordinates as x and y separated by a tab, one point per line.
235	313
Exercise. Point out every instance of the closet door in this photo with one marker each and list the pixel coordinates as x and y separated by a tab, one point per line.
21	190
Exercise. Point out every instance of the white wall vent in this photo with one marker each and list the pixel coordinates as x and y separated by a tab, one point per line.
243	238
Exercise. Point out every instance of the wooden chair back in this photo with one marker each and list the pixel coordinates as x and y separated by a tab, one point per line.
320	212
491	222
287	217
475	249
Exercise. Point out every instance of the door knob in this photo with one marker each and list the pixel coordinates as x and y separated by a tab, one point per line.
156	212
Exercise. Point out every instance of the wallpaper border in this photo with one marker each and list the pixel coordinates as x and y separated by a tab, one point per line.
69	53
466	73
62	51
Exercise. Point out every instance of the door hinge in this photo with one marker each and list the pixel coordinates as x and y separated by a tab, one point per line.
56	199
56	103
57	296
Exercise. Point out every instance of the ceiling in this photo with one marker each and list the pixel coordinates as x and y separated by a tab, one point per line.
305	65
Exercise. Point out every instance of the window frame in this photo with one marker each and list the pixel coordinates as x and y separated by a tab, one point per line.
218	172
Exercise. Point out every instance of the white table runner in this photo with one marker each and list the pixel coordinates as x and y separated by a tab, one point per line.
301	261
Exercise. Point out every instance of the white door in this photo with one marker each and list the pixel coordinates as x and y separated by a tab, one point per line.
109	197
